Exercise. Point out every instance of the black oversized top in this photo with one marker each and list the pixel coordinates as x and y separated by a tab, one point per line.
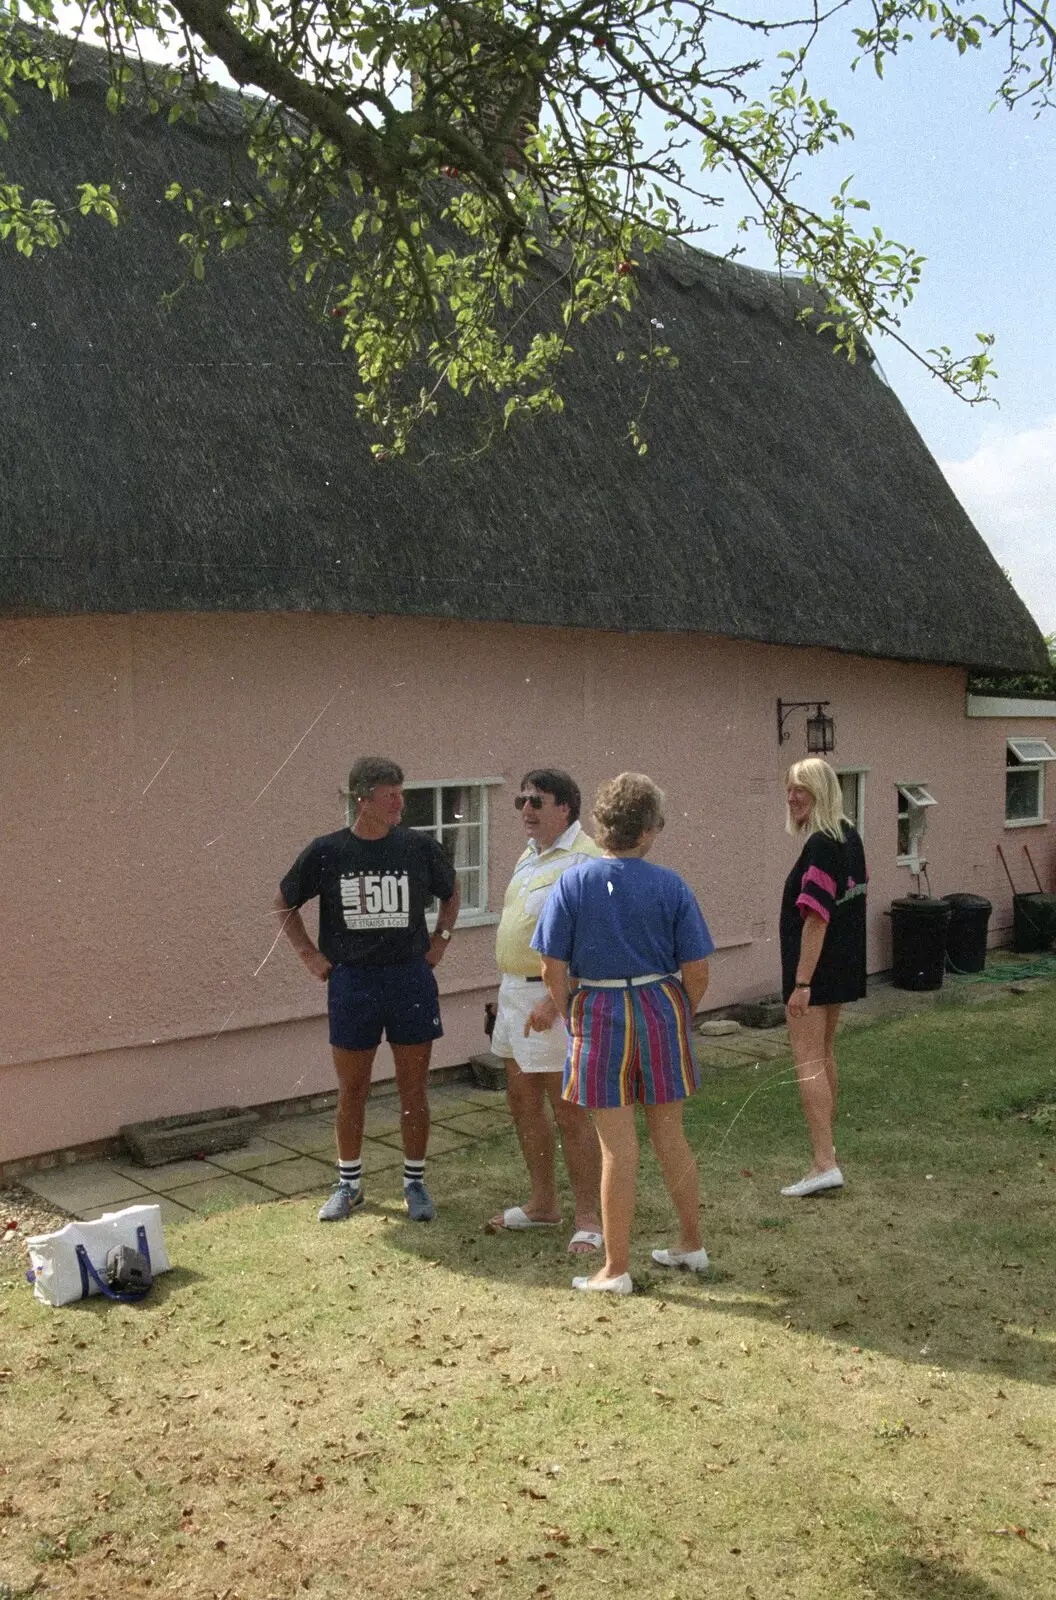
829	879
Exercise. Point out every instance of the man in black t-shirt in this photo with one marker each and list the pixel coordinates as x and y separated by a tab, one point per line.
373	881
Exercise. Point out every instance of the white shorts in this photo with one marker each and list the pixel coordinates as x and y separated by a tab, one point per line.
540	1052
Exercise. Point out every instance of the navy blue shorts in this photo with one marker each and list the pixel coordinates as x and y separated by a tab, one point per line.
401	1002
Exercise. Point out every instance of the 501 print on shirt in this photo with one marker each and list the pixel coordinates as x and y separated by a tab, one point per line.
376	900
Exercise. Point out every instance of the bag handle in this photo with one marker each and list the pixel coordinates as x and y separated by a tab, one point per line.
88	1271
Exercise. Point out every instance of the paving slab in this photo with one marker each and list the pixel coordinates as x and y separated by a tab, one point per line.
752	1049
479	1122
171	1210
224	1194
378	1157
486	1097
382	1118
710	1055
88	1183
170	1175
295	1177
444	1107
259	1152
441	1140
302	1134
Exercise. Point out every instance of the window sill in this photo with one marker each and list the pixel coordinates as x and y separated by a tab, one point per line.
466	919
1028	822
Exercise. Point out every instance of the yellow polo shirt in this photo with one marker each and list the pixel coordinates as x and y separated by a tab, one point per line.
533	879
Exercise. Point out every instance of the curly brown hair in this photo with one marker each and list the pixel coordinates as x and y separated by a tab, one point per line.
625	808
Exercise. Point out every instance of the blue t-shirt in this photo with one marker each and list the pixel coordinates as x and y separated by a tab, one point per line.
622	918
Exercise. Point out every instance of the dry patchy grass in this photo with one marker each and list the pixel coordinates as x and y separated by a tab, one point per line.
857	1402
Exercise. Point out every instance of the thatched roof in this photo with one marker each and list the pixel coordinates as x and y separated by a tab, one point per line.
207	457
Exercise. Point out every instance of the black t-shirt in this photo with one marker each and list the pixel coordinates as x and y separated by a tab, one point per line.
372	894
829	879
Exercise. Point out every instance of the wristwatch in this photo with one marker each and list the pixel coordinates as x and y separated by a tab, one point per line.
444	934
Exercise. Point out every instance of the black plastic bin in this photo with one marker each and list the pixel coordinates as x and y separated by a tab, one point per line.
966	934
918	941
1033	922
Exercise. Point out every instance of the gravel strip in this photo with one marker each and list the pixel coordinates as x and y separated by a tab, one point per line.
31	1215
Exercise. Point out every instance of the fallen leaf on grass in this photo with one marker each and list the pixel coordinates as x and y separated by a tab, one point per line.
599	1549
533	1494
1021	1533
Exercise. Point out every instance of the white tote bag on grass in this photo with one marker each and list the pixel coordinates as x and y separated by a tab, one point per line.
71	1264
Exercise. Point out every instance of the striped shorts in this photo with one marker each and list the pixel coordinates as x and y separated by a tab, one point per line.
629	1046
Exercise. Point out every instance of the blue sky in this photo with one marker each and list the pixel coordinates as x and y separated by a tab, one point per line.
974	190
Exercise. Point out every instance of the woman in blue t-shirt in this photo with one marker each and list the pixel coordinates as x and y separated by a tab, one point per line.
822	933
613	936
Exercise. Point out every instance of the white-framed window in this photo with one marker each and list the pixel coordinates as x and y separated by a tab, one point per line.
455	811
1025	762
852	787
914	801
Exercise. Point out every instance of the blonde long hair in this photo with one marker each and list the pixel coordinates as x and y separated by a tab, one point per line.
820	780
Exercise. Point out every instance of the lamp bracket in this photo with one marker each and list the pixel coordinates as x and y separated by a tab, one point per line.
785	707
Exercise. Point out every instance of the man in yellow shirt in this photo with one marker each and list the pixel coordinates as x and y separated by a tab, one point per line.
529	1034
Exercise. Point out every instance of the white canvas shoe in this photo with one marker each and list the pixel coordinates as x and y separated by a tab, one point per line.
620	1285
833	1179
687	1260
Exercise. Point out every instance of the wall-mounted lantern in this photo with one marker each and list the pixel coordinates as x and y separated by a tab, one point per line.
821	730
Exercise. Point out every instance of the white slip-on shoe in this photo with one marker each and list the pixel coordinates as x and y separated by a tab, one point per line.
687	1260
833	1179
620	1285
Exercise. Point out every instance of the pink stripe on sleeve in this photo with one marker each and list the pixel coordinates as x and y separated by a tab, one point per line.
808	903
822	879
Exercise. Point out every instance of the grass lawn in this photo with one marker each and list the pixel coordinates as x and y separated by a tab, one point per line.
857	1401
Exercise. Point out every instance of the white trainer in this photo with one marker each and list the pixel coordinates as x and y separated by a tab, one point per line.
833	1179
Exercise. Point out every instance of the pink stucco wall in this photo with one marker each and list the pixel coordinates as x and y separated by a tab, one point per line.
160	772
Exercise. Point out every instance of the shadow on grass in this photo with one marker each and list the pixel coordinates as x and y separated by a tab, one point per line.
162	1289
938	1251
900	1576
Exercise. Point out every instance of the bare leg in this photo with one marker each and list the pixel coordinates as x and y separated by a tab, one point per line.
582	1153
526	1095
353	1086
815	1090
618	1136
832	1018
679	1167
412	1077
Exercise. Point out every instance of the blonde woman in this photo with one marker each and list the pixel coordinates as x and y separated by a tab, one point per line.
631	936
822	951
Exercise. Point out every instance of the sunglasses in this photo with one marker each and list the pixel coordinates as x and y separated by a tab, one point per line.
533	800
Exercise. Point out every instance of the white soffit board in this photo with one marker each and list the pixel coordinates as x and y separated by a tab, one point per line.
989	705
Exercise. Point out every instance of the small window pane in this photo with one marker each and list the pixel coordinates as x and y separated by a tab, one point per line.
849	791
903	835
419	808
462	846
470	881
916	794
1030	750
460	805
1022	795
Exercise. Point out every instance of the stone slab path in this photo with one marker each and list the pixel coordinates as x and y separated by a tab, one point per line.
292	1155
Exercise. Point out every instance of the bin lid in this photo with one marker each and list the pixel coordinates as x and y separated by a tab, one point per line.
968	902
921	905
